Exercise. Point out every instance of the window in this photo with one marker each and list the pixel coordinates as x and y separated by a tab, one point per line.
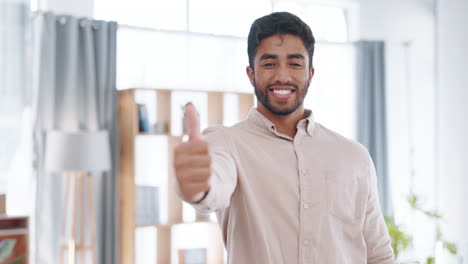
317	16
180	61
221	17
15	107
160	14
216	59
332	92
226	17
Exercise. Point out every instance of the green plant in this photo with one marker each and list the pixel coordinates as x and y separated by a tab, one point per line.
401	241
451	247
6	250
19	260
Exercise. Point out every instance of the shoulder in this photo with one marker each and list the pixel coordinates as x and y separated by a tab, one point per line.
215	134
341	145
219	135
219	131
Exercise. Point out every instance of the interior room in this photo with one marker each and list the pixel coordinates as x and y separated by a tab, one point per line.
92	97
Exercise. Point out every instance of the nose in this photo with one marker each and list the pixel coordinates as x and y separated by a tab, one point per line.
282	75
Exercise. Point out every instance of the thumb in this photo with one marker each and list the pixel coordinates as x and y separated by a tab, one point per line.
192	122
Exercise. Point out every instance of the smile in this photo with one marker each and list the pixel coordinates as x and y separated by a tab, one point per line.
282	91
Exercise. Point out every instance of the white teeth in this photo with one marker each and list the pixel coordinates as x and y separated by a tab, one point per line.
282	91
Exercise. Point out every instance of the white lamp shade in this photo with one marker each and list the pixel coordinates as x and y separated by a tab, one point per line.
78	151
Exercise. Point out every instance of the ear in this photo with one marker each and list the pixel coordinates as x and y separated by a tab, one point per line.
250	72
311	73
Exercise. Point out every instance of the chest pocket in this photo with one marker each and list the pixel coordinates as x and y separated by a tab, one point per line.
346	194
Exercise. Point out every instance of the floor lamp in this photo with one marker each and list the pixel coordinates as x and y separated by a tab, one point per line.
76	155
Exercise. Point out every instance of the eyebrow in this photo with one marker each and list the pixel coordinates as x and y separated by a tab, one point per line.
296	56
268	56
273	56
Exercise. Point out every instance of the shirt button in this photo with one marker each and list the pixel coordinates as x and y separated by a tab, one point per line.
306	206
306	242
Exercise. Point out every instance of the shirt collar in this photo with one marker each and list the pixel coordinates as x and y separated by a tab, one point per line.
307	123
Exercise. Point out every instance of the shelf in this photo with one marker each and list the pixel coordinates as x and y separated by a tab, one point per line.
164	106
203	236
2	204
15	228
143	134
8	222
180	223
14	232
186	90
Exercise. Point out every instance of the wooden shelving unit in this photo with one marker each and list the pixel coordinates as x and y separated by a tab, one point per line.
128	132
16	228
2	203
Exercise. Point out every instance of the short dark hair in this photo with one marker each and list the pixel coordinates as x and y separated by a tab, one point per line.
279	23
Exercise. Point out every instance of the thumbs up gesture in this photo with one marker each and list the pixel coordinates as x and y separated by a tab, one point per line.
192	161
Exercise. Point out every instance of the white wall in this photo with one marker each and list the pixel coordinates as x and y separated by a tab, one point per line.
452	125
80	8
437	92
410	105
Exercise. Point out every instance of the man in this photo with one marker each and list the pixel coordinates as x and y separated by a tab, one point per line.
285	188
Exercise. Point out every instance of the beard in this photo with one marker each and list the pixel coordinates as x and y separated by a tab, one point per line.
264	98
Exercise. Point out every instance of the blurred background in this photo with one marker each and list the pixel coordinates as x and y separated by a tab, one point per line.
389	74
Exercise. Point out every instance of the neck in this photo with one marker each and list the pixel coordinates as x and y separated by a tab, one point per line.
285	124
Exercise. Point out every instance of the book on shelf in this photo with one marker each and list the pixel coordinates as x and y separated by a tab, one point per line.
192	256
143	120
147	205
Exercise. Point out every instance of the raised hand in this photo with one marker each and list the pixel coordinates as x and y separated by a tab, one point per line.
192	161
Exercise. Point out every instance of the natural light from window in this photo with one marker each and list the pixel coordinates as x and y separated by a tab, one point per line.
15	108
316	16
160	14
225	17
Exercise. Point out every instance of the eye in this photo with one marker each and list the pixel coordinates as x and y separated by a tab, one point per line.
296	64
268	64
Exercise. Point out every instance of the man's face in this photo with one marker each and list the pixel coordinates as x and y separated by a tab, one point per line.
281	74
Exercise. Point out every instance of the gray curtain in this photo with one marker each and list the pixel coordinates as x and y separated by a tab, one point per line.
74	77
371	112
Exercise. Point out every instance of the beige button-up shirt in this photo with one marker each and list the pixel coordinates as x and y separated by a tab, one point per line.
311	199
